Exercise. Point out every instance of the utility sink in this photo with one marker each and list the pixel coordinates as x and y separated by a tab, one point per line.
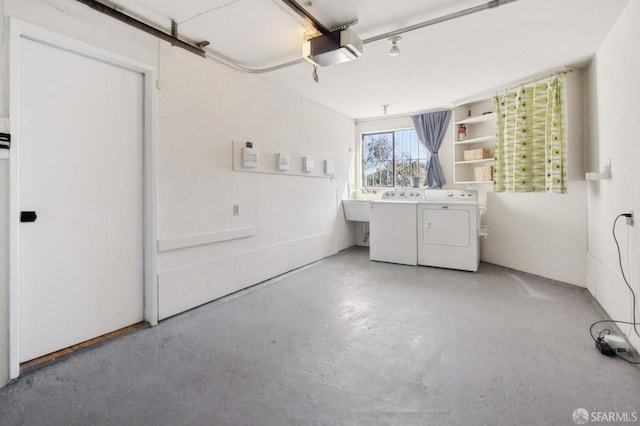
356	210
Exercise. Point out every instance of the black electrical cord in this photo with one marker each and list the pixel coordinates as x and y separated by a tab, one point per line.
595	339
600	339
624	277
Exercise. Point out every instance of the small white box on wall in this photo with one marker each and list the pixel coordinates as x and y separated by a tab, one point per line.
307	163
329	167
249	158
282	161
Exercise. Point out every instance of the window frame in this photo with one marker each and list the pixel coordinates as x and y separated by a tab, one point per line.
392	132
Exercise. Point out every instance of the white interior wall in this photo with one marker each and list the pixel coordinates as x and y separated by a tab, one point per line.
612	82
296	219
202	108
539	233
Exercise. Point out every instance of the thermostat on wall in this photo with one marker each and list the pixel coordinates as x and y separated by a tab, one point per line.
249	158
282	161
307	163
328	167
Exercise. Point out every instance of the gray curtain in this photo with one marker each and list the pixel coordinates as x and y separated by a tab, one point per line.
431	128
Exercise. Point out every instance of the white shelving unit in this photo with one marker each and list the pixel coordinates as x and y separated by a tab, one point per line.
479	119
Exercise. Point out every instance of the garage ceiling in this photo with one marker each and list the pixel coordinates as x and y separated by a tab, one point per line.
439	65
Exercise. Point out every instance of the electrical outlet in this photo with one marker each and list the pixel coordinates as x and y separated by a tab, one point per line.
630	218
236	210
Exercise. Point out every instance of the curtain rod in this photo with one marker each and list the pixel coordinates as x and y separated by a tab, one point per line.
513	85
475	98
401	115
536	80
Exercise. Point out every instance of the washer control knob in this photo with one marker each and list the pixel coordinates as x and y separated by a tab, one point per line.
449	194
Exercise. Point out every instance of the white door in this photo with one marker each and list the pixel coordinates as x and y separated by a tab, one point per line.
80	156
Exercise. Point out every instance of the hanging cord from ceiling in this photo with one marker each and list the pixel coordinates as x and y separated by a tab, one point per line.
225	60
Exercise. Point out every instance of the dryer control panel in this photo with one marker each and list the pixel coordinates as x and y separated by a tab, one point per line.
451	195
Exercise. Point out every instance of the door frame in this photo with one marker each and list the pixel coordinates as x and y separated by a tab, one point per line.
21	30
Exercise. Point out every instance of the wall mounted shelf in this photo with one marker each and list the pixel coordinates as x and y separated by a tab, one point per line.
484	160
479	119
482	139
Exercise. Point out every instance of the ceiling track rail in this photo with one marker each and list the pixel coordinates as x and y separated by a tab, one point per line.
219	57
122	17
311	20
464	12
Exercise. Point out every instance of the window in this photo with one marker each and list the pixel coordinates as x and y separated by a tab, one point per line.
392	158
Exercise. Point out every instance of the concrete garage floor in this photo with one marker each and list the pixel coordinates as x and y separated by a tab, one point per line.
347	341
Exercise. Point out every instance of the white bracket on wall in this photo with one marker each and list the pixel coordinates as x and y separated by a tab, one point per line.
605	173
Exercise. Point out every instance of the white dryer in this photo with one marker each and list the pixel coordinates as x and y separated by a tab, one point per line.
393	226
448	229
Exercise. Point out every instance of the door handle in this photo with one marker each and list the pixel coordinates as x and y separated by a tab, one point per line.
28	216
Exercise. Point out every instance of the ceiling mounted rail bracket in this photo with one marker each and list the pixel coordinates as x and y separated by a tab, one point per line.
174	29
344	26
310	19
129	20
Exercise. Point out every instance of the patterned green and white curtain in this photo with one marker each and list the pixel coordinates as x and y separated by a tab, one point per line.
530	154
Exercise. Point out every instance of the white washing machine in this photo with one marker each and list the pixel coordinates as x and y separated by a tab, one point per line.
393	225
448	229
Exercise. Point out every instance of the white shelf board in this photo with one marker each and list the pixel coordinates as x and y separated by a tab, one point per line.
472	181
477	119
484	160
489	138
